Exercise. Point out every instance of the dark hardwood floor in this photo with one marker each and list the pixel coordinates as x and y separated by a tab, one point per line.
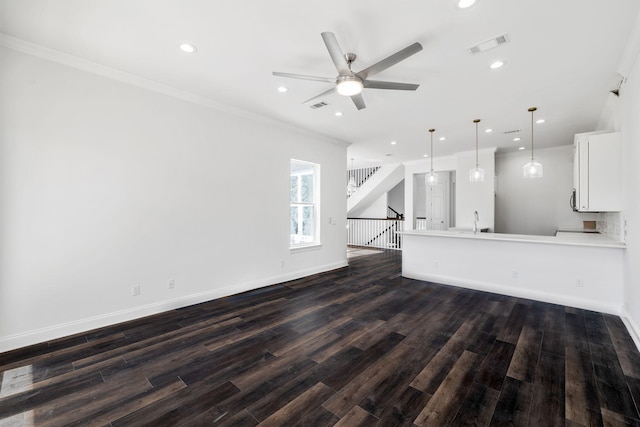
359	346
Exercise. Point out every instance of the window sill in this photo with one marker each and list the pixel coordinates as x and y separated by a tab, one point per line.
305	248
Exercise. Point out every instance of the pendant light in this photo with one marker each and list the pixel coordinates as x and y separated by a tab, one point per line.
351	186
532	169
476	174
432	177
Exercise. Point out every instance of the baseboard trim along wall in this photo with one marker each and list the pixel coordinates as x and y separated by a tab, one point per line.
83	325
632	327
571	301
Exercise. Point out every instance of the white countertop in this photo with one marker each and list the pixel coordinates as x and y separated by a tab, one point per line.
562	238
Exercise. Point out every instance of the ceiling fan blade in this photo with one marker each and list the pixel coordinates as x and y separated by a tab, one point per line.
390	60
376	84
303	77
358	100
336	54
322	95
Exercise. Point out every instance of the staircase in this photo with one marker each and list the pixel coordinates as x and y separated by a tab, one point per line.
381	182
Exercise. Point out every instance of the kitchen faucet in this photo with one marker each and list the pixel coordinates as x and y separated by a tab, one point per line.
475	221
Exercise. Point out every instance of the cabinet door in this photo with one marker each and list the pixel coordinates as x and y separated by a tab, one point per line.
605	173
582	193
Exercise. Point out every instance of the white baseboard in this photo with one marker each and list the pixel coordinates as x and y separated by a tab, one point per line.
632	327
49	333
570	301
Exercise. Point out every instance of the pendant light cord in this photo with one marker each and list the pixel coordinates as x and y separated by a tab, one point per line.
476	121
532	109
431	155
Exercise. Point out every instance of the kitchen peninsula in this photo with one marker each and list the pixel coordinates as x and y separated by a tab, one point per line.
574	269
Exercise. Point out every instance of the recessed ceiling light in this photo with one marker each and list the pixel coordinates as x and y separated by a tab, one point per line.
465	4
442	138
488	130
496	65
540	121
521	148
282	89
425	155
393	142
189	48
516	139
338	113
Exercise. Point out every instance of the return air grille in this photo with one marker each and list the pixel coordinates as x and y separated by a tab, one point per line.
319	105
488	44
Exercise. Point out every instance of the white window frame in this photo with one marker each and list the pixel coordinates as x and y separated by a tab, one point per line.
315	204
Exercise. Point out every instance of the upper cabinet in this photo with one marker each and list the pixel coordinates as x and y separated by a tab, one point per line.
597	172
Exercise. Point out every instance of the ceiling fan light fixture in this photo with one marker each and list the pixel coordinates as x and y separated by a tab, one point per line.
188	48
465	4
349	86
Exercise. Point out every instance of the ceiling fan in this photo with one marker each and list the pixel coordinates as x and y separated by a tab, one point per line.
351	84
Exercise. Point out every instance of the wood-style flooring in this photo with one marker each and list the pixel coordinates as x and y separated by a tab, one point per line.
359	346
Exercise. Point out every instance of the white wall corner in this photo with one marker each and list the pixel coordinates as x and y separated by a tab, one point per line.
632	327
631	51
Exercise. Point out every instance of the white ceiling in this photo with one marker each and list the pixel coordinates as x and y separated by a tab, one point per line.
562	58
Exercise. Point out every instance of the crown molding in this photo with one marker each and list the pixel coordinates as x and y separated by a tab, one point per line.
82	64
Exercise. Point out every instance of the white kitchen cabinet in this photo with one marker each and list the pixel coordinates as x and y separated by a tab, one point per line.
597	176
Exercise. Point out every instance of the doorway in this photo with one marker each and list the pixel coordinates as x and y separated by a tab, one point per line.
434	205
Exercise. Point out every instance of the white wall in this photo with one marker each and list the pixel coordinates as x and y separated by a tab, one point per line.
536	206
377	209
630	127
475	196
105	185
396	197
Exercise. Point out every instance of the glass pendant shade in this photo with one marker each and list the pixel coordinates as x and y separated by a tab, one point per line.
532	169
431	178
476	174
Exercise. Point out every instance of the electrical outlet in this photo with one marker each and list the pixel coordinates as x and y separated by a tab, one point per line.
580	283
282	263
436	264
135	291
515	274
171	284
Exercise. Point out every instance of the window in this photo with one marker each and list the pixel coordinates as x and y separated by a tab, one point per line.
304	220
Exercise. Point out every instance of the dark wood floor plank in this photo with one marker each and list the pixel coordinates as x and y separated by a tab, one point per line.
513	326
357	417
581	390
514	404
404	409
355	346
444	404
548	405
493	371
525	357
477	407
364	383
299	412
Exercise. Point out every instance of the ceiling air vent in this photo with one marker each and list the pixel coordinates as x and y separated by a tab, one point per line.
488	44
512	131
318	105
